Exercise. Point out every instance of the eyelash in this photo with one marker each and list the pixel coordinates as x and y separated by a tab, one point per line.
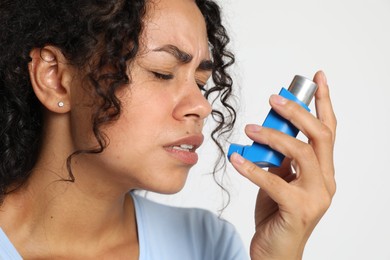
162	76
201	87
169	76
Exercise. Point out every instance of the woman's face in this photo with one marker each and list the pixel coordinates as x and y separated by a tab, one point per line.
152	145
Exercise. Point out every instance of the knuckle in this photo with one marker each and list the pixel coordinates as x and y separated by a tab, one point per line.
271	181
326	133
316	208
305	151
325	199
251	168
271	134
292	110
332	188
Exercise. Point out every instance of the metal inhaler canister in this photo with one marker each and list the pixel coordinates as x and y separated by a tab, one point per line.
301	91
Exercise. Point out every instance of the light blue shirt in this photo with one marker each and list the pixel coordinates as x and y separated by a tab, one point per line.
7	250
172	233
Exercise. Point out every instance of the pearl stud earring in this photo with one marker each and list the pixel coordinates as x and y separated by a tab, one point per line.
60	104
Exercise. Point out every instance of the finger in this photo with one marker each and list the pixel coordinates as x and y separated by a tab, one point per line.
313	162
324	108
320	135
265	207
326	115
273	185
306	122
301	153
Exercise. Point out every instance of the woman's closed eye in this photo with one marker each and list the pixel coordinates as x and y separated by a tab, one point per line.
166	76
162	76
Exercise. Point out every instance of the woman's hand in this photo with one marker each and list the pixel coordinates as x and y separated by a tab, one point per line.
290	204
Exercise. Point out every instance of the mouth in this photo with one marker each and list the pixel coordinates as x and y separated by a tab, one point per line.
184	149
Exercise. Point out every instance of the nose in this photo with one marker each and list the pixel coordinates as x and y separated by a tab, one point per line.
192	104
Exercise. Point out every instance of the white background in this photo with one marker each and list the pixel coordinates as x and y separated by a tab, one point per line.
350	41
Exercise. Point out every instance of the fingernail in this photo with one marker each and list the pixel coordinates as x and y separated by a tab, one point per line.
253	128
236	158
278	99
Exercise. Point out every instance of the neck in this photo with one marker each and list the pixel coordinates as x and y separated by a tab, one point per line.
53	217
63	218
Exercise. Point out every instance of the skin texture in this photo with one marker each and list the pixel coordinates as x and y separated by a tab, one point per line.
93	218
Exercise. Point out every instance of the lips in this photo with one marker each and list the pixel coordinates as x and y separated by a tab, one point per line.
184	149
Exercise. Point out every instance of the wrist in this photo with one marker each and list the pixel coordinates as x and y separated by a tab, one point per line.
277	250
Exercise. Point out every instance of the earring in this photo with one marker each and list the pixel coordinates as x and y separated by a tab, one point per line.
60	104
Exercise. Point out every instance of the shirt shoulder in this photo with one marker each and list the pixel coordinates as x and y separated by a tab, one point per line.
167	232
7	250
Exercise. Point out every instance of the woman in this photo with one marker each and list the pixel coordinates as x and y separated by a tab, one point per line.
102	97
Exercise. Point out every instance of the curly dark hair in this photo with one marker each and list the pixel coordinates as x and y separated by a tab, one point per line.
93	35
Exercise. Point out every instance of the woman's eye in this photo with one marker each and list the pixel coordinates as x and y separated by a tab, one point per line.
162	76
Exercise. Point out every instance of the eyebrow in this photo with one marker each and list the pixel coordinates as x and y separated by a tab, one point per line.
184	57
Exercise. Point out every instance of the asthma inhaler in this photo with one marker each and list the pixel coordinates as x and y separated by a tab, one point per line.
301	91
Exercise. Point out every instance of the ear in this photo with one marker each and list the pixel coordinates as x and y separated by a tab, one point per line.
51	77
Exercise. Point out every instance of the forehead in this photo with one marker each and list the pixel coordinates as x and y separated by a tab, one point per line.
175	22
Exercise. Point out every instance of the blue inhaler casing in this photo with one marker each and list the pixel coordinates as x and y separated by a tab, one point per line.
301	91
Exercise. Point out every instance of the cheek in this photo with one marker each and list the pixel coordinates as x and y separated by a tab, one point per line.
145	103
145	118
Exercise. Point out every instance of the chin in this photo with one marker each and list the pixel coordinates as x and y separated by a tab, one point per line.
169	184
169	188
